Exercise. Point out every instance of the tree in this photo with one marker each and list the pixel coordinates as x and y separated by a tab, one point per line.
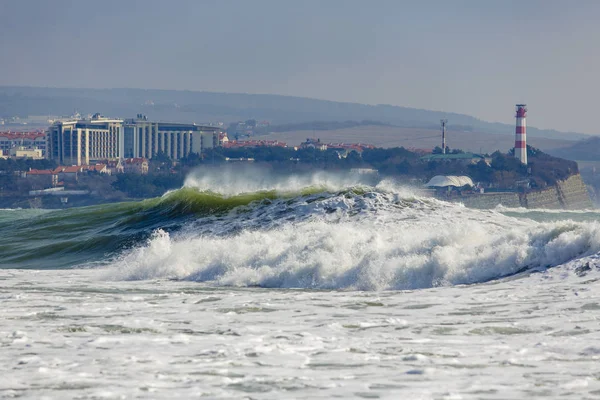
354	159
143	186
438	150
481	172
160	161
24	164
404	167
161	157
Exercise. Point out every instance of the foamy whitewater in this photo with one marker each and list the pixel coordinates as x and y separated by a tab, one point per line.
315	286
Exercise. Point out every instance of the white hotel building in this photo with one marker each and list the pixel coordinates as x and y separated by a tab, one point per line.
79	142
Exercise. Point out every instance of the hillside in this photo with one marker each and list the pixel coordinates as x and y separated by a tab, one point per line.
583	150
189	106
392	136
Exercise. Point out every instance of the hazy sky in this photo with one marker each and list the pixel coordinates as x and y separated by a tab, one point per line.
475	57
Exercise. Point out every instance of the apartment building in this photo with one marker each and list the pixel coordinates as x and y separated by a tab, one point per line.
29	140
145	139
79	142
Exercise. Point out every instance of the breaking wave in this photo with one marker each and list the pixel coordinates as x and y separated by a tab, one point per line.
323	231
366	238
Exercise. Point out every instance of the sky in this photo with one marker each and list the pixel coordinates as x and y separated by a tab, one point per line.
476	57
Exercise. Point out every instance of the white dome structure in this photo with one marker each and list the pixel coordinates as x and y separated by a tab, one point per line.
450	180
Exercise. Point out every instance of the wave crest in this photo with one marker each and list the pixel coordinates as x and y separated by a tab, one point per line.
363	241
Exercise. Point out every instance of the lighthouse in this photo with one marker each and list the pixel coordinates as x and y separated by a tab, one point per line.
521	133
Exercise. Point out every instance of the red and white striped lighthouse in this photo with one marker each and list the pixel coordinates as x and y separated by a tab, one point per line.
521	134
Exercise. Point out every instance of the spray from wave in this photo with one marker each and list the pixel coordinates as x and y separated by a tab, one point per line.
230	181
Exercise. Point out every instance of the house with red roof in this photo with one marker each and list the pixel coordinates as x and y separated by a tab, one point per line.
97	168
137	165
42	178
69	174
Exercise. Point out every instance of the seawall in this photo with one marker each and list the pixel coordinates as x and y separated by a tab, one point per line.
570	194
574	194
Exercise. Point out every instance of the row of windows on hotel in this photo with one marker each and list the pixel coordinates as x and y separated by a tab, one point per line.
76	146
7	144
147	142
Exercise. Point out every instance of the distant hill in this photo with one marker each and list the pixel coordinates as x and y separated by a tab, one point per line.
190	106
582	150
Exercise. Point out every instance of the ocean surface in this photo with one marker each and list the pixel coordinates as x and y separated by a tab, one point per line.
316	286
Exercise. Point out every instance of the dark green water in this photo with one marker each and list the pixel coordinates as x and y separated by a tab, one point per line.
47	239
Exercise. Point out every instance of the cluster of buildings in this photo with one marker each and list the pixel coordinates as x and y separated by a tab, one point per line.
251	143
124	145
60	175
316	143
97	139
23	144
70	174
247	128
342	149
81	142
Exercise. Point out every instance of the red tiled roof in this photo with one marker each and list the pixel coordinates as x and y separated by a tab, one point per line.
40	172
79	168
22	135
72	169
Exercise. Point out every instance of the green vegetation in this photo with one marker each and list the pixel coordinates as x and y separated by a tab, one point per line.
24	164
438	150
144	186
505	170
11	181
284	157
161	178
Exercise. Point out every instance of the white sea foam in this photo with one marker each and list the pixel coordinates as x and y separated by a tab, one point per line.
372	241
66	334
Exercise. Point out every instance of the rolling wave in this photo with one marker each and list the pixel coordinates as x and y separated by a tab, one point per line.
64	238
318	232
46	239
373	240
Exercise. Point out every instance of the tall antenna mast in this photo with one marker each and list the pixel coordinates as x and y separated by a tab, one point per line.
444	122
